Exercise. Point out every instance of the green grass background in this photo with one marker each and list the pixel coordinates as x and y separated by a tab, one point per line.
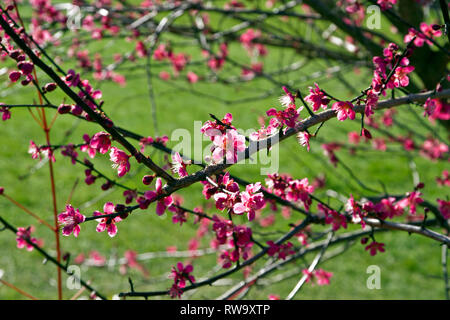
410	267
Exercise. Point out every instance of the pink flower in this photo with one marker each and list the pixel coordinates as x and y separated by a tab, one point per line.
371	102
386	4
179	165
400	78
160	53
175	291
379	144
437	109
120	159
243	236
33	150
288	99
6	114
192	77
300	190
164	75
69	151
26	67
228	146
181	273
309	275
14	76
412	200
344	109
303	138
444	180
386	208
251	200
72	78
286	117
354	137
142	51
71	219
223	229
317	98
107	223
354	209
24	238
163	202
282	250
101	142
336	219
214	128
444	208
374	247
323	277
433	149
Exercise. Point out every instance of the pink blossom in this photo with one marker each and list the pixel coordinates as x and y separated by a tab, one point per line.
288	99
228	146
282	250
141	50
433	149
26	67
69	151
164	75
192	77
72	78
386	4
101	142
400	77
387	208
160	53
444	180
317	98
87	146
444	208
107	223
336	219
223	229
371	102
303	138
374	247
286	117
70	219
354	137
344	109
24	238
308	274
323	277
175	291
379	144
412	200
6	114
251	200
181	273
213	128
163	202
120	159
179	165
437	109
299	190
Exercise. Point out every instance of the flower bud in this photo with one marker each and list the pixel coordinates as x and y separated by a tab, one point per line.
148	179
49	87
64	108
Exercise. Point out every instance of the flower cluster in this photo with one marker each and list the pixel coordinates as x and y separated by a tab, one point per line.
180	275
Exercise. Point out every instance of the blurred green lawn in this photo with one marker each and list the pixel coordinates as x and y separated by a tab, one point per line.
410	267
